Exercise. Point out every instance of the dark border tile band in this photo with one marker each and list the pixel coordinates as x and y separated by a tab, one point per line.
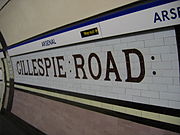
11	95
140	106
153	123
177	30
5	79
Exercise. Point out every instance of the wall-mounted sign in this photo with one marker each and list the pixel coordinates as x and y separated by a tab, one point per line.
89	32
137	68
